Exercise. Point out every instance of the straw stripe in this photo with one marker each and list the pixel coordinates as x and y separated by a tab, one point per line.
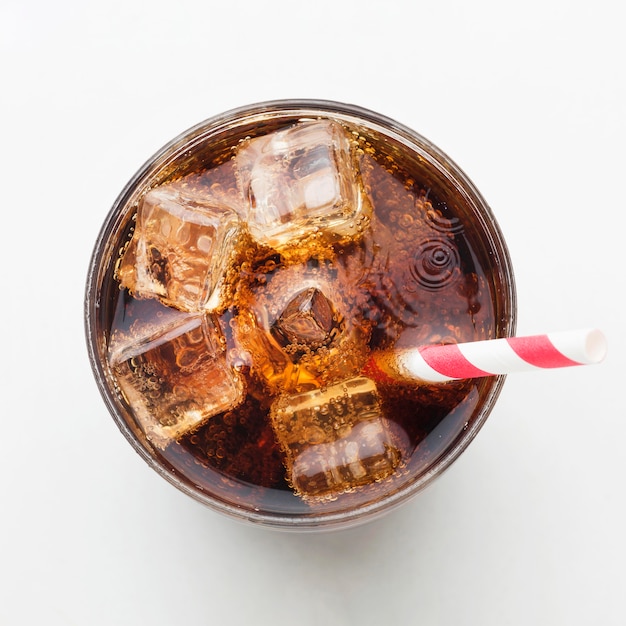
449	361
500	356
539	351
495	356
413	365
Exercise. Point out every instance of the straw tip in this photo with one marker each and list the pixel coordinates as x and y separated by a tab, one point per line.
596	345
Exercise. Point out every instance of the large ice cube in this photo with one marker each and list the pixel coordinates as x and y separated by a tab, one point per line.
183	241
177	378
302	326
336	439
302	182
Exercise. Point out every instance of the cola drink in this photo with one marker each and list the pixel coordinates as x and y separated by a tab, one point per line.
247	279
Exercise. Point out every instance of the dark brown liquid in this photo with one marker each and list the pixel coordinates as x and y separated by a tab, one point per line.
418	275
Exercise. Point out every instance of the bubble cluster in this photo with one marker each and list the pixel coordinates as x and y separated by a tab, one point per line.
444	225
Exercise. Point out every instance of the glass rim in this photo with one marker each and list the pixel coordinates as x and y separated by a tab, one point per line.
212	126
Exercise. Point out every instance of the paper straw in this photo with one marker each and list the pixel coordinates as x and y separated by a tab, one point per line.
441	363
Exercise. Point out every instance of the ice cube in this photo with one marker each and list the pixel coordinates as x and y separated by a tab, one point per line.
302	182
309	319
337	438
217	185
183	241
302	326
177	379
140	322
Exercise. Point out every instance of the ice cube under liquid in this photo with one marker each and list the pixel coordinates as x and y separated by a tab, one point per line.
336	439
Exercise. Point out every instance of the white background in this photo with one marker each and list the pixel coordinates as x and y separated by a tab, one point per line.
528	98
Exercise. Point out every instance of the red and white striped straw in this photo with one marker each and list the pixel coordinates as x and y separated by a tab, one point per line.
440	363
